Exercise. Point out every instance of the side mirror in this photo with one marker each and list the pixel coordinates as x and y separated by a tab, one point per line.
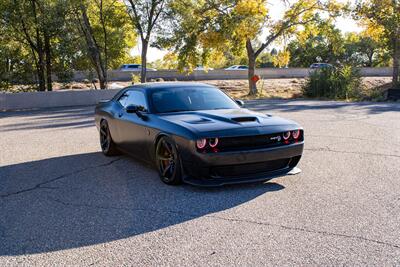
132	109
137	110
239	102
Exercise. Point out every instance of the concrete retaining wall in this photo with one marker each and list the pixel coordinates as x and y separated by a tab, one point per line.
267	73
34	100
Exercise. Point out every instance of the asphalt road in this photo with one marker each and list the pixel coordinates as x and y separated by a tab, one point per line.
63	203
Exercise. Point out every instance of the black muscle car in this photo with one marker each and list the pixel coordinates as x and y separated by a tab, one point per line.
195	133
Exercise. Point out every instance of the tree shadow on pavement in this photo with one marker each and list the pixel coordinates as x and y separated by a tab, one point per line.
50	118
304	105
87	199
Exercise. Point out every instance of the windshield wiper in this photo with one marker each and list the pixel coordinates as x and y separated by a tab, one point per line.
176	110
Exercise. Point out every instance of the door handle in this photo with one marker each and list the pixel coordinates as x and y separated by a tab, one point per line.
120	114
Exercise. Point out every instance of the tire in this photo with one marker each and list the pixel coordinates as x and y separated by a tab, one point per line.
107	145
168	161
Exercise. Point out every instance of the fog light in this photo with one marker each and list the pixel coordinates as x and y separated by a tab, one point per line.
201	143
286	136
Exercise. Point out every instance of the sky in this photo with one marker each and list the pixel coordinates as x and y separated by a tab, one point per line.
276	9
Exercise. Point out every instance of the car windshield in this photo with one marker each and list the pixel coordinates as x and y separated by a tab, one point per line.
190	99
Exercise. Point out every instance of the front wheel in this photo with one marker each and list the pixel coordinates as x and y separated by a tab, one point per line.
168	161
108	146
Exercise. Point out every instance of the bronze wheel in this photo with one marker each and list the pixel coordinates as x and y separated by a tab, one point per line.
168	161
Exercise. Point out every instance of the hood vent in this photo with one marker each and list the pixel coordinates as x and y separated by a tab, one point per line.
244	119
199	121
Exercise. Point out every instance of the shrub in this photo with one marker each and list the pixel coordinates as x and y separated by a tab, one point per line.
135	78
340	83
4	86
64	76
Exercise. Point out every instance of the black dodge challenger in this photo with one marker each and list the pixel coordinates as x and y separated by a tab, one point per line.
195	133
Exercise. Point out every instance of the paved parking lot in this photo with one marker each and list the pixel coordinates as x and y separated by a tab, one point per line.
63	203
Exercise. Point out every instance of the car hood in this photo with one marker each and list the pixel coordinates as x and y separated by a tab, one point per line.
230	122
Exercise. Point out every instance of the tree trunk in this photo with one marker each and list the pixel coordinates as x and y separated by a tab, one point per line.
105	59
252	68
41	65
370	59
143	72
48	62
93	48
396	62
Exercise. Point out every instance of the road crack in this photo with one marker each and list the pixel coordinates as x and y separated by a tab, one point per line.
327	149
194	216
326	233
42	185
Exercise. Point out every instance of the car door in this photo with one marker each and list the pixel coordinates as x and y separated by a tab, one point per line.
132	129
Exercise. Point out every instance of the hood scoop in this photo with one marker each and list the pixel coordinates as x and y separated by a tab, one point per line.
245	119
198	121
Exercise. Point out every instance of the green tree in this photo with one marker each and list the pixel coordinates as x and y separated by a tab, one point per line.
319	41
384	15
202	26
35	23
282	59
365	49
145	15
15	61
106	31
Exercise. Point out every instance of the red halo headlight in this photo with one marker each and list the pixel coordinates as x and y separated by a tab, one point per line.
286	135
296	134
213	142
201	143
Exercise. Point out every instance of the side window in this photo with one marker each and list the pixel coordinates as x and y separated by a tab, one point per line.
136	98
133	66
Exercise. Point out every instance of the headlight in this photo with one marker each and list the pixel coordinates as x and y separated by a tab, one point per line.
213	142
286	136
201	143
296	134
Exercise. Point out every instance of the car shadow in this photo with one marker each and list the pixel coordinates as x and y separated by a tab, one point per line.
87	199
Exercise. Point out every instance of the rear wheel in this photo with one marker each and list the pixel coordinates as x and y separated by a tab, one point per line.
108	146
168	161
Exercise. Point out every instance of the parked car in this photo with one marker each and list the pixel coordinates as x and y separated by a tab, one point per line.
195	133
238	67
134	67
321	66
199	67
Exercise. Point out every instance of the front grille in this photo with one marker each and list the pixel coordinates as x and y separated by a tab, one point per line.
252	169
254	142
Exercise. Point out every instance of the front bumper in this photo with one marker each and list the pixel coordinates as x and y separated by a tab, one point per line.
216	169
